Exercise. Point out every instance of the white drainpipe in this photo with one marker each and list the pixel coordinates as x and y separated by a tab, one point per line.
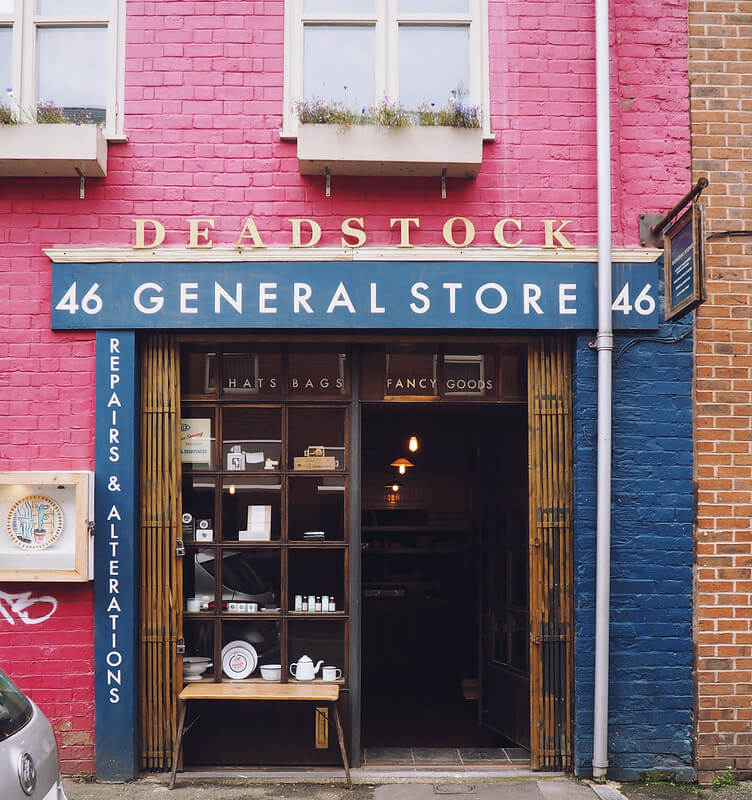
604	346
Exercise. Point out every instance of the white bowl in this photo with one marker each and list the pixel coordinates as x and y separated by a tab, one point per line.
194	669
271	672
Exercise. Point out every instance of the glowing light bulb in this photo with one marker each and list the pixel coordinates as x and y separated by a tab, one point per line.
402	469
232	488
413	445
395	487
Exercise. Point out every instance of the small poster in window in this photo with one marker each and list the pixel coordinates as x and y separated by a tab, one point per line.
195	441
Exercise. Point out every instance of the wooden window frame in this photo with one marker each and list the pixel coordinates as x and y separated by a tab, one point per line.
386	19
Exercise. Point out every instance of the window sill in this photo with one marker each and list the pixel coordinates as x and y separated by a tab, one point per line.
378	150
31	150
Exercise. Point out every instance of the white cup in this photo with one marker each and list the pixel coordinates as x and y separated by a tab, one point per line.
330	673
193	604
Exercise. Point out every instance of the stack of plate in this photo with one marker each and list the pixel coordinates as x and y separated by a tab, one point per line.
239	659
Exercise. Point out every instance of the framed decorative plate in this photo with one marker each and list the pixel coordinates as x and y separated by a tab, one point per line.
34	522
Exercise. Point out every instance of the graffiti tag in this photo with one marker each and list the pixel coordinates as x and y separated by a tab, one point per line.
28	609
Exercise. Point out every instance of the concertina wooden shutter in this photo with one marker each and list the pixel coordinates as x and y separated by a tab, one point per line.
161	589
551	552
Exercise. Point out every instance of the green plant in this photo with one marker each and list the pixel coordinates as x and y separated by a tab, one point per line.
726	778
389	114
8	116
325	112
50	114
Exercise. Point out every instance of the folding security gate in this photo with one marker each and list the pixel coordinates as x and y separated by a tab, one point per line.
551	552
161	578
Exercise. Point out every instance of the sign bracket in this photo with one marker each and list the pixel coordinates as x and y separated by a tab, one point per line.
653	225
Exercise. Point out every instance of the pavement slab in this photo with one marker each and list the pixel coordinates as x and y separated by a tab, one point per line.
224	789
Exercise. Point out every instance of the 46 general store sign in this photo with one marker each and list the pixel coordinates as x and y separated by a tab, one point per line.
482	295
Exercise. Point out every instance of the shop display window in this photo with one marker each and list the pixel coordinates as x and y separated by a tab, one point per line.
262	511
198	371
316	511
317	373
316	438
251	438
251	509
199	590
469	375
254	373
323	642
448	373
316	580
197	438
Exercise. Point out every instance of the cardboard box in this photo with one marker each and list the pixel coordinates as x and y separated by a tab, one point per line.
314	462
259	525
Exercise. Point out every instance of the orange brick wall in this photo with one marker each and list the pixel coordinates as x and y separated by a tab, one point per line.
721	118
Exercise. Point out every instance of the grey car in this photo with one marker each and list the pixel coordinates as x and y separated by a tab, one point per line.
29	766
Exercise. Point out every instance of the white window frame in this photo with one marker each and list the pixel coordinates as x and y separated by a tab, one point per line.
386	20
26	22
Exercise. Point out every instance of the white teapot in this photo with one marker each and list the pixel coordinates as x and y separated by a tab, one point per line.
304	669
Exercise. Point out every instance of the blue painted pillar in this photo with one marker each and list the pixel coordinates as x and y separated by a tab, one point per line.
116	557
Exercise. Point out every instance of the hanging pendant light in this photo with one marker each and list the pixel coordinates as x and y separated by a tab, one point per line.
413	444
402	464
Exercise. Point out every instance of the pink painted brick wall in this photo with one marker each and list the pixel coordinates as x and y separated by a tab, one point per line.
203	113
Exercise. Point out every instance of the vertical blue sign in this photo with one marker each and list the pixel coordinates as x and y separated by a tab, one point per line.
116	558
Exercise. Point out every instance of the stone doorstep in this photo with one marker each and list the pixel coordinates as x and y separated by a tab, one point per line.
384	775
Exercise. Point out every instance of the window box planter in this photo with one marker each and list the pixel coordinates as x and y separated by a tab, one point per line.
380	150
52	150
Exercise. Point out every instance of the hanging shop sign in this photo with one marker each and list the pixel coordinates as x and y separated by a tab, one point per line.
480	295
45	526
684	263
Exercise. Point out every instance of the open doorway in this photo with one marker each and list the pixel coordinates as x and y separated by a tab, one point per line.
445	615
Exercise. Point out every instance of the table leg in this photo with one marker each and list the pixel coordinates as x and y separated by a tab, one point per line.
342	744
178	743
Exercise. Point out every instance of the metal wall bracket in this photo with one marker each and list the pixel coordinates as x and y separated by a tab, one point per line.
647	238
328	190
653	225
82	184
443	184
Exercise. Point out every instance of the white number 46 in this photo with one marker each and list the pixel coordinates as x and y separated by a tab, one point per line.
644	304
91	302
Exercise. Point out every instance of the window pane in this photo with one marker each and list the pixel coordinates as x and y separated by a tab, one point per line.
6	6
72	69
432	6
434	62
338	6
6	78
339	64
73	8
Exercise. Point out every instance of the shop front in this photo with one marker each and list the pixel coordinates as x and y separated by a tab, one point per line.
371	466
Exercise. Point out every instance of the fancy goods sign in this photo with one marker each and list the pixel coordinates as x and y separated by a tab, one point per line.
480	295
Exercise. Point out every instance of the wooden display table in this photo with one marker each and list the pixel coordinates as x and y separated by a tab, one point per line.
324	693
